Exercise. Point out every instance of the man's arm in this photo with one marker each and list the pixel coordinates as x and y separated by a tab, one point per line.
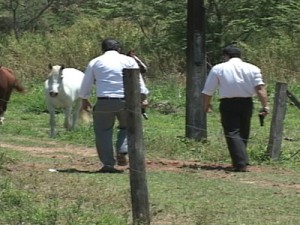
263	97
211	84
206	102
86	86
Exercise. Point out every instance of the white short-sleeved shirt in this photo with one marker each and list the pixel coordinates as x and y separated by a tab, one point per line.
234	78
106	72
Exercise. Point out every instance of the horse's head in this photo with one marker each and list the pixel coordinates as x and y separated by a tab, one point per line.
55	79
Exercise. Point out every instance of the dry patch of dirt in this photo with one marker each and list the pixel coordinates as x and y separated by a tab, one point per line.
82	159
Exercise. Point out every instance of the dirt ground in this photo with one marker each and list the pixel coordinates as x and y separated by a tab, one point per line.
81	159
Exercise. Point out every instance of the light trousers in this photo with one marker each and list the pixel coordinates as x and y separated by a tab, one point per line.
105	114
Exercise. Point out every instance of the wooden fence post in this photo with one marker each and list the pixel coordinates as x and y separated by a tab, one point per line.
276	129
138	183
196	121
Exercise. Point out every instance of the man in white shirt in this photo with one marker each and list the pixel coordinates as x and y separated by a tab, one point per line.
237	82
106	72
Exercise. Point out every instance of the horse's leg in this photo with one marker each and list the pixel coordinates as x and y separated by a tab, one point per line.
68	120
4	98
52	122
1	113
75	112
1	110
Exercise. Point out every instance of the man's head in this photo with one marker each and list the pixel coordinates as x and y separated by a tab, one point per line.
231	52
110	44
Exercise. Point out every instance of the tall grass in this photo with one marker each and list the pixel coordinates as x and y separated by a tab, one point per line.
164	132
74	46
30	194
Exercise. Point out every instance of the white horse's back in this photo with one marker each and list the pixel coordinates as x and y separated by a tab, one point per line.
72	78
62	91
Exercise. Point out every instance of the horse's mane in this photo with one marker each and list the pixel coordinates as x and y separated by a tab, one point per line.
18	86
9	70
9	76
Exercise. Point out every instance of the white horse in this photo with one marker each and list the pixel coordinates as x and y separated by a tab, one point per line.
61	91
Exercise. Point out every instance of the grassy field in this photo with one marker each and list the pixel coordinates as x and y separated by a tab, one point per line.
188	181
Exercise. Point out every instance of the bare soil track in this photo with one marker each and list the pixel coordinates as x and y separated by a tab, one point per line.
82	159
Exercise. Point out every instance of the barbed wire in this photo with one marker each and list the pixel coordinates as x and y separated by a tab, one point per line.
3	100
198	129
220	134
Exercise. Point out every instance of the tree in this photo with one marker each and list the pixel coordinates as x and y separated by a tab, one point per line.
233	21
24	13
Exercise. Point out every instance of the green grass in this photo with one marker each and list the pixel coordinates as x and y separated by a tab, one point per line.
31	194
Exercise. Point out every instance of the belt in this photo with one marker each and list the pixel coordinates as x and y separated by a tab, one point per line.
110	98
236	99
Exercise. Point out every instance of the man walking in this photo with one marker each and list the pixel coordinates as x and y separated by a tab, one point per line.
237	82
106	72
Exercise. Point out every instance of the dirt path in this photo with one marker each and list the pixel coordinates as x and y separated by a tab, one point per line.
82	159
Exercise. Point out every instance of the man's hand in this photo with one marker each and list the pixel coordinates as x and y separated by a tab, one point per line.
208	108
263	112
145	103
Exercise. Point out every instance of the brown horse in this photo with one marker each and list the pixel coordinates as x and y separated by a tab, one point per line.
8	82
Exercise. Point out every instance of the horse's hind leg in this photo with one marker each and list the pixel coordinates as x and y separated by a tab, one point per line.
75	112
68	121
52	123
1	111
4	98
1	116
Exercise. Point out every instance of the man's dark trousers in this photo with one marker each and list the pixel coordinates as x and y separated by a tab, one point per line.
236	116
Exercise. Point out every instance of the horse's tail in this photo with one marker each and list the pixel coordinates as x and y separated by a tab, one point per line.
85	116
19	87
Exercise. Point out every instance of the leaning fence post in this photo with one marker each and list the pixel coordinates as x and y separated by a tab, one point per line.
138	183
276	129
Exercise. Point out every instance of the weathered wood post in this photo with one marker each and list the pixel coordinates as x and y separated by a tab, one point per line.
138	183
196	127
276	129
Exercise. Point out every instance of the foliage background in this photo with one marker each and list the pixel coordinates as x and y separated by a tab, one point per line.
36	32
69	32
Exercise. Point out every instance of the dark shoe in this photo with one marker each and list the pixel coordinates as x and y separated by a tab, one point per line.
241	169
109	169
122	159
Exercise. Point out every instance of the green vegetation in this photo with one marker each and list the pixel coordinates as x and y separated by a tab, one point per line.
187	181
197	193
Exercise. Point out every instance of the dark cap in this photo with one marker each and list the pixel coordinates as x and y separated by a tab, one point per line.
232	51
110	44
